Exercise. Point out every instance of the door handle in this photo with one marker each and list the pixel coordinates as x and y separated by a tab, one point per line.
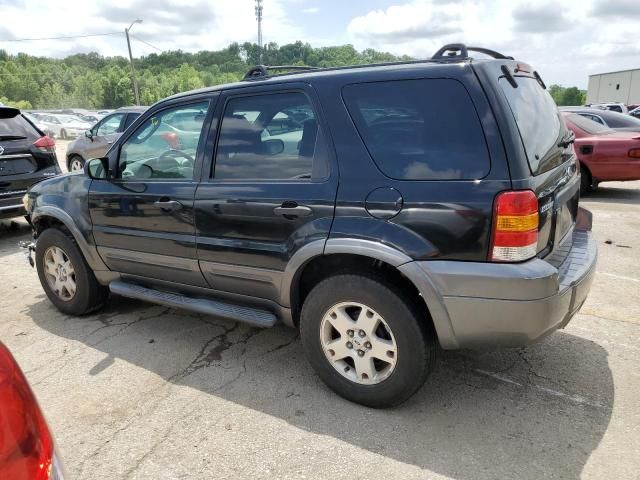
168	205
293	211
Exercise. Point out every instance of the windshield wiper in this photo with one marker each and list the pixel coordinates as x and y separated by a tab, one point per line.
12	137
568	140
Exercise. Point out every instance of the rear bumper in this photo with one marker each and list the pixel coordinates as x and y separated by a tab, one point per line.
510	304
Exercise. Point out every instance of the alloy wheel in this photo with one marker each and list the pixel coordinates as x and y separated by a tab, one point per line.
59	272
358	343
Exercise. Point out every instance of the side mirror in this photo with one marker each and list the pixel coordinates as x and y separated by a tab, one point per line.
88	134
97	168
274	146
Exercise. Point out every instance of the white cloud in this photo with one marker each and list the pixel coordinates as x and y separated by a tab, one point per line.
311	10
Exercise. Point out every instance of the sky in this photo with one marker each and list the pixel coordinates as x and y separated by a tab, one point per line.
564	40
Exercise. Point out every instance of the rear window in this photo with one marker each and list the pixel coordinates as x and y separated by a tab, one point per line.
589	126
420	129
620	120
16	126
538	121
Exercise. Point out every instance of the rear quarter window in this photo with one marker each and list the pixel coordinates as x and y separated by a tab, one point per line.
425	129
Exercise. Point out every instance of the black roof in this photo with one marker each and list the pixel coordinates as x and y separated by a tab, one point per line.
455	53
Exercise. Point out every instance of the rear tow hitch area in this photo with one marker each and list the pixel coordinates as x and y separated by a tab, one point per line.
30	248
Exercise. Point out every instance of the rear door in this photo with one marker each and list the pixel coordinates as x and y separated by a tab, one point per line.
143	219
269	190
551	158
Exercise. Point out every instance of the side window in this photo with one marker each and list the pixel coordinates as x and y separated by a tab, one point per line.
110	124
270	136
420	129
165	145
130	119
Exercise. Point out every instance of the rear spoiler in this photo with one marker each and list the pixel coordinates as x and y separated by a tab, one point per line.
9	112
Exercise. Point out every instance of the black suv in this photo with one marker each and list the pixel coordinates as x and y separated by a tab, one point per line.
27	156
383	210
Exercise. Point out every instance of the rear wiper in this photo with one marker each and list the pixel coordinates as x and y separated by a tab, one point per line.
12	137
568	140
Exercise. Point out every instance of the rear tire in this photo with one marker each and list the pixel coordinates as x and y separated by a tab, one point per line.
585	181
65	276
393	328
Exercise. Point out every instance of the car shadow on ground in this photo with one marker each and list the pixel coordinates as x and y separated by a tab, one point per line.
514	413
604	194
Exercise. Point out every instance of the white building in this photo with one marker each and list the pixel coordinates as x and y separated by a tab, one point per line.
615	87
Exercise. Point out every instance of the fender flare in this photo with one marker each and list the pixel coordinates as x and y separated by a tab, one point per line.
89	252
379	251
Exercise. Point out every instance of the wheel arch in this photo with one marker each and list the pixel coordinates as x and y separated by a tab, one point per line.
47	216
366	256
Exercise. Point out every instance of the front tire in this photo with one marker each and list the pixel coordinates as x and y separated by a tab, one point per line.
65	276
76	163
366	340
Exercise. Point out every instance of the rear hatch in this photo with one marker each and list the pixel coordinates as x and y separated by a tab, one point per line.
20	160
550	155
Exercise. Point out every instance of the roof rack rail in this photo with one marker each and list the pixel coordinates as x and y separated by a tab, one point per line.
460	51
263	70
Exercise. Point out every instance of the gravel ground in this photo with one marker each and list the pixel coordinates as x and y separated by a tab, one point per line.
145	392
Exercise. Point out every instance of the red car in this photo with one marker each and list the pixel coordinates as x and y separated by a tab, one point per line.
604	154
26	446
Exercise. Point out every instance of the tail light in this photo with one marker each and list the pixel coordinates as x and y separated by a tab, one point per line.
515	226
45	144
26	445
634	153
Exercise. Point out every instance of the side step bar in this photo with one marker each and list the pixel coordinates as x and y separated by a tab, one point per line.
252	316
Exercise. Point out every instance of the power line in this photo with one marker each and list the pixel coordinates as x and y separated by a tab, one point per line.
59	38
146	43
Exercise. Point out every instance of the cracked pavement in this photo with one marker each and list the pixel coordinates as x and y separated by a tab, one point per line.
138	391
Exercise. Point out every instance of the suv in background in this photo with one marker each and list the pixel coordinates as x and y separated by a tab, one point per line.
615	107
96	141
381	209
27	156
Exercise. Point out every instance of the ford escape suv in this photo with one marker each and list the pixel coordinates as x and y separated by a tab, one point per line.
384	210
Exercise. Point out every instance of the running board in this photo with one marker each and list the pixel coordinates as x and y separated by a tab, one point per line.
252	316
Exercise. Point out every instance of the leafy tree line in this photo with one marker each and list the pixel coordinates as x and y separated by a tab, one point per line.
570	96
94	81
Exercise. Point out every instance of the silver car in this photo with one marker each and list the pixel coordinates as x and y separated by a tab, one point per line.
95	142
64	126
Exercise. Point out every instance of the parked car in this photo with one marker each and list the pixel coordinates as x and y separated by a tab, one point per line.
425	203
607	118
615	107
604	154
27	449
27	156
98	139
64	126
635	112
36	122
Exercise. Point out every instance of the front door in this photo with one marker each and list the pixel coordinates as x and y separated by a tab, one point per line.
269	191
143	220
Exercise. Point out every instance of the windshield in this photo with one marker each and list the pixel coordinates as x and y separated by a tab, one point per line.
538	121
589	126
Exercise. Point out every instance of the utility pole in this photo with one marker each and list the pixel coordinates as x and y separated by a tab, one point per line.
133	71
259	18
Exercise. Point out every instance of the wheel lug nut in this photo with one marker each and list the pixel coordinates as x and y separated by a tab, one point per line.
360	353
350	333
361	333
349	345
367	344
